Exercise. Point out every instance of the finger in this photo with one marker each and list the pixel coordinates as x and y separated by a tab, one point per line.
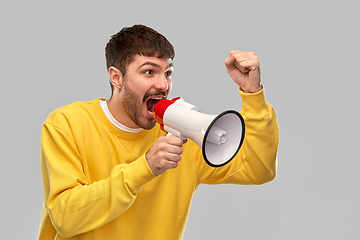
171	145
243	66
173	140
170	157
239	60
172	149
245	56
247	66
171	165
169	140
237	53
249	62
241	55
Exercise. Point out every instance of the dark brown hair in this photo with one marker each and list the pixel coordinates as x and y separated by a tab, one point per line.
130	41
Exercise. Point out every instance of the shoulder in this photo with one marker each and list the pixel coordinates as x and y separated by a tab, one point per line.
75	111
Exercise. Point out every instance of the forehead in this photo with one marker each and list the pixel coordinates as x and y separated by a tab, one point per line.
140	61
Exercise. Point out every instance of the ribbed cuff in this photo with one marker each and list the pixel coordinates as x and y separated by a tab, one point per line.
253	104
138	173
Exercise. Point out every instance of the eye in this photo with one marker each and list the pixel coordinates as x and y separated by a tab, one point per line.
148	72
168	73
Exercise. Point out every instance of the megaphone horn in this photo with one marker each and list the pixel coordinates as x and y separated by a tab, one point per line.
219	136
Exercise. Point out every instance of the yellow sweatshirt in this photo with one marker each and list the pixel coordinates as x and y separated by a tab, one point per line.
97	184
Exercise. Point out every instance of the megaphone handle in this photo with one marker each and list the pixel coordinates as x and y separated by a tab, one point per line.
173	132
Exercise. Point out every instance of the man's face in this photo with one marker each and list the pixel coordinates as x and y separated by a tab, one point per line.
147	80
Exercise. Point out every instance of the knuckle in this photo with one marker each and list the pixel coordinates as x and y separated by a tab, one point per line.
177	158
162	155
179	142
162	146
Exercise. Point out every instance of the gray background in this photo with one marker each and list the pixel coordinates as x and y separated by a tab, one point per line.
53	54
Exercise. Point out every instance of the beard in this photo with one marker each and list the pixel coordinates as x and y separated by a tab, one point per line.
134	104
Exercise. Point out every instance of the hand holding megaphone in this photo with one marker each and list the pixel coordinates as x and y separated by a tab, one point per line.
219	136
164	154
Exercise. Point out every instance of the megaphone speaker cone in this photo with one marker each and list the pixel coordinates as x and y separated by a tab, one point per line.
217	155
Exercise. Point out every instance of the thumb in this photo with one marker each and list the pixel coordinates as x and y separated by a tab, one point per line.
229	63
232	70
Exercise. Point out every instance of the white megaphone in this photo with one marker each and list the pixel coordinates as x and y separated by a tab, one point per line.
219	136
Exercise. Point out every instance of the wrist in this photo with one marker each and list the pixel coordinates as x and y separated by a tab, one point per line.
138	173
252	89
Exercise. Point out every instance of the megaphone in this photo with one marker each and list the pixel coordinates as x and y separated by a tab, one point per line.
219	136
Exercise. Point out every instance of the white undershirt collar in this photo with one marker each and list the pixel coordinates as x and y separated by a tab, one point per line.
111	118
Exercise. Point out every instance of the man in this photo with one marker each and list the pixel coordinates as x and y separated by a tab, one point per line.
108	170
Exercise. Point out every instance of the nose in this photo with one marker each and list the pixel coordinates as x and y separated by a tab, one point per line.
162	83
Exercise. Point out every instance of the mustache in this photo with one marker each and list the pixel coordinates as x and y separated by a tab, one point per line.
154	93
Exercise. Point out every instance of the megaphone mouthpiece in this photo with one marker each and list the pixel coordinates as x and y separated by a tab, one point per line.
160	108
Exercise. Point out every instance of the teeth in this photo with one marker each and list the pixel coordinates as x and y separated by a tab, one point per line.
158	98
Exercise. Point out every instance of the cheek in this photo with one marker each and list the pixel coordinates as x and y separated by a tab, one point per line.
138	88
169	86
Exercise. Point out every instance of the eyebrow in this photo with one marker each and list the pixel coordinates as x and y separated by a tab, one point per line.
154	65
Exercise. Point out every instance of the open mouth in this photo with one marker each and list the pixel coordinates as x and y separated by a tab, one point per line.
150	103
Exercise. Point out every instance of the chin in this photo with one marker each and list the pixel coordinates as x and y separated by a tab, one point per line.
148	124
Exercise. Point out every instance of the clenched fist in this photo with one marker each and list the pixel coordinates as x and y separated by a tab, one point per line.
244	69
164	154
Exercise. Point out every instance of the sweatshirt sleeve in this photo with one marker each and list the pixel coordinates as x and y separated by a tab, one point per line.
256	162
74	205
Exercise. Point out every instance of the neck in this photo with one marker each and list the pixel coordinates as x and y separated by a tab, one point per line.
117	110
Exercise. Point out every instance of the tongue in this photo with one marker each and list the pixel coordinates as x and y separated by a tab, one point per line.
150	104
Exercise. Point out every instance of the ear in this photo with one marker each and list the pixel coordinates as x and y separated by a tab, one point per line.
116	77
